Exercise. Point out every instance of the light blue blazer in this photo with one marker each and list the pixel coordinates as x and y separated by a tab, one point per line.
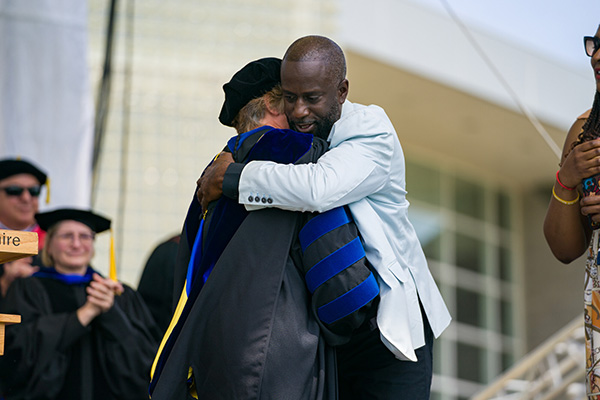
364	169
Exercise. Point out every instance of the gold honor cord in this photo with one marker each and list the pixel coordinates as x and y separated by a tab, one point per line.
174	320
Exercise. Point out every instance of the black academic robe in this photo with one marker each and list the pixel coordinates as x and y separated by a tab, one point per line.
250	330
156	282
50	355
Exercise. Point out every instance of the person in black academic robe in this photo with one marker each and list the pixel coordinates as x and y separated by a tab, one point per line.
246	326
157	282
21	184
81	336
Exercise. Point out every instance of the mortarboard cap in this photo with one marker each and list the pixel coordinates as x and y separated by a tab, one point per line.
12	166
252	81
96	222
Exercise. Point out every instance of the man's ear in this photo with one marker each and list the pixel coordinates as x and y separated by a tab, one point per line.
274	117
343	91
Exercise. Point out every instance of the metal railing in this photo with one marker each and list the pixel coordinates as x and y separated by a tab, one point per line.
555	370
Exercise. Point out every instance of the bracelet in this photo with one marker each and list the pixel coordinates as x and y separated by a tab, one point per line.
565	202
561	184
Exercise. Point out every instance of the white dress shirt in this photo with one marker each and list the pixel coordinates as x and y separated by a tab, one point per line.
364	168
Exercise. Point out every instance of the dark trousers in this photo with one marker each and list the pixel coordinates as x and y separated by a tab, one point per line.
368	370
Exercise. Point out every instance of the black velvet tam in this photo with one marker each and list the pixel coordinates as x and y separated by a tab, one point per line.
97	223
10	167
252	81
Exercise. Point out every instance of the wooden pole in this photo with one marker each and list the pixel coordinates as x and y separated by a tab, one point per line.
6	319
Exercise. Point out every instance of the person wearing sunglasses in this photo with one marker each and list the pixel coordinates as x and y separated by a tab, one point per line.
573	216
20	187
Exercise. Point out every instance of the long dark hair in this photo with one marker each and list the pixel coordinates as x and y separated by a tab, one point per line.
591	127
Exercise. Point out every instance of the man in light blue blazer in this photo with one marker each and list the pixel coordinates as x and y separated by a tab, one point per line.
390	356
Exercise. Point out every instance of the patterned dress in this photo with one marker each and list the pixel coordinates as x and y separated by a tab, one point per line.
591	299
592	319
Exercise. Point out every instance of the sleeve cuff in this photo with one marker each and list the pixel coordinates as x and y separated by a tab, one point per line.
114	323
231	180
73	331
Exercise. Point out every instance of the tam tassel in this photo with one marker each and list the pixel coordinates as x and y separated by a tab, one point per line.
112	271
47	190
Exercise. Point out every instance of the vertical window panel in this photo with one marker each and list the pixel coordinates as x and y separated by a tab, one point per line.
469	253
470	363
503	211
423	183
469	307
469	198
504	264
506	318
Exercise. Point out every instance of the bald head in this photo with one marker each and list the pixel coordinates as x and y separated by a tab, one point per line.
319	48
313	79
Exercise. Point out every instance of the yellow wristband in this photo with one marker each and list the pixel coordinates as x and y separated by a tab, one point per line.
565	202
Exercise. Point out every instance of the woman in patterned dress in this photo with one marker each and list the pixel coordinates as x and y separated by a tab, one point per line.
573	214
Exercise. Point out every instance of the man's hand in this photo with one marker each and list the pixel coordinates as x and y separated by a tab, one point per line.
210	184
21	268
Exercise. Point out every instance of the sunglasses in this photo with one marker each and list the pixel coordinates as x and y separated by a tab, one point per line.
591	43
34	191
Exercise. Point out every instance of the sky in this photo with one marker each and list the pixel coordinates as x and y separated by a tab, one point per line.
552	28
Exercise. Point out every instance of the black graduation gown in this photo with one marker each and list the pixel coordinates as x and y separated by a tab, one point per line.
251	332
156	282
50	355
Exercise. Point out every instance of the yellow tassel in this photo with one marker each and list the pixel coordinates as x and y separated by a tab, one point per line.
47	190
112	272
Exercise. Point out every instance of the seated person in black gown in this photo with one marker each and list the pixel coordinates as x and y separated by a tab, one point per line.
82	336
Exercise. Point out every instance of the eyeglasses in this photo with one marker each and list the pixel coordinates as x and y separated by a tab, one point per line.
34	191
70	237
592	44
